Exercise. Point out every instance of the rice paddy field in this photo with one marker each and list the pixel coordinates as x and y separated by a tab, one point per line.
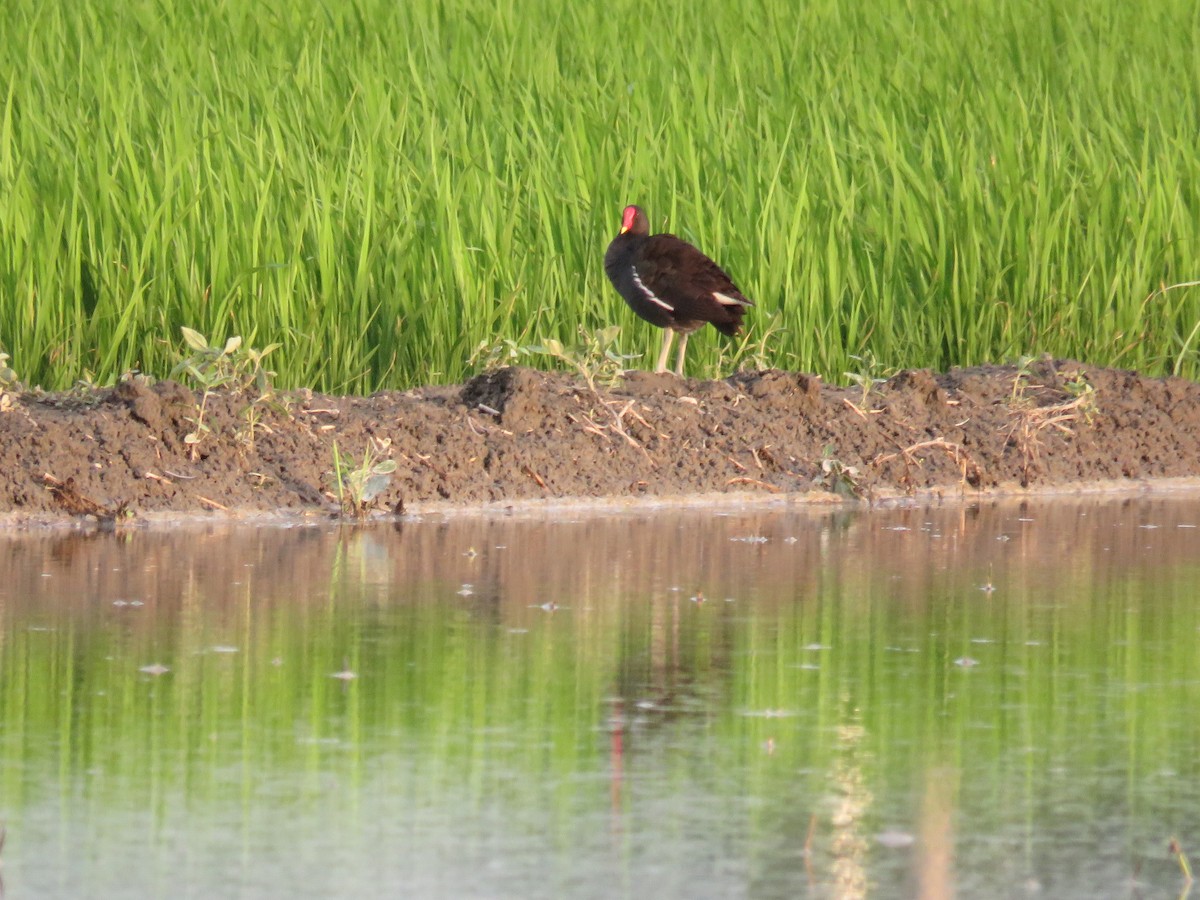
389	190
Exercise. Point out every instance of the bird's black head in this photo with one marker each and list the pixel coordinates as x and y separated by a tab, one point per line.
634	220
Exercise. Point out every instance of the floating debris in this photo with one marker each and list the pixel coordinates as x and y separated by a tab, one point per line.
222	648
471	553
344	675
155	669
698	597
769	713
966	662
895	840
466	590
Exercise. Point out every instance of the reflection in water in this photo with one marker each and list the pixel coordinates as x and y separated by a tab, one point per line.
935	848
691	704
852	804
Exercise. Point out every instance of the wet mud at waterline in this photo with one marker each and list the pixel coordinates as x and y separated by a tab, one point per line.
523	435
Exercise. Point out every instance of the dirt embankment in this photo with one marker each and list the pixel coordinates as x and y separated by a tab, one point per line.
518	434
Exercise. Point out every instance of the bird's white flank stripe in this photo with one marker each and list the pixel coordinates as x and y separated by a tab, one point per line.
726	300
650	294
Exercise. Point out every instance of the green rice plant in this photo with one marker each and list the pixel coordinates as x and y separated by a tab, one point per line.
381	187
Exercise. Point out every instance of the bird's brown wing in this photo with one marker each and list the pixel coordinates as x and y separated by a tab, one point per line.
696	288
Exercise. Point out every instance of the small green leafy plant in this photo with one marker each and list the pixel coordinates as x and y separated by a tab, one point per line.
8	378
489	355
837	477
228	365
215	366
868	377
1021	380
8	384
596	356
754	350
1083	395
359	483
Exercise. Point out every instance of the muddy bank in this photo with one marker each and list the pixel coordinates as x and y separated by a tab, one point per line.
519	434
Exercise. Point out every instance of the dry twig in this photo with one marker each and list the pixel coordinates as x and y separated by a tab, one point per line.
774	489
1025	432
969	470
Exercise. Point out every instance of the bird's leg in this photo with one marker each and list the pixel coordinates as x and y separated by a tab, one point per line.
683	339
668	336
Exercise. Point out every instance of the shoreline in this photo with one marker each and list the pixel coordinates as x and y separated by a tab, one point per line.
1183	488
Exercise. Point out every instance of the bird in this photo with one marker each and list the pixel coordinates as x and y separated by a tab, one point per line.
671	284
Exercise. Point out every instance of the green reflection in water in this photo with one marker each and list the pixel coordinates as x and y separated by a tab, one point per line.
764	704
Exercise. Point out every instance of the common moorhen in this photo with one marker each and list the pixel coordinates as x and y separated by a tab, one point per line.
671	284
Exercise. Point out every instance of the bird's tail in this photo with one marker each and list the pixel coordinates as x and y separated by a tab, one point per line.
734	306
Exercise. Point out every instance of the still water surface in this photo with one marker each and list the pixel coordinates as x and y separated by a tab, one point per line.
987	701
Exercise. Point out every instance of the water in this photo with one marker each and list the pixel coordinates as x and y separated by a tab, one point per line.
994	701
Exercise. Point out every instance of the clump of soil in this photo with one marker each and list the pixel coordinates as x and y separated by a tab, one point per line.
519	434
